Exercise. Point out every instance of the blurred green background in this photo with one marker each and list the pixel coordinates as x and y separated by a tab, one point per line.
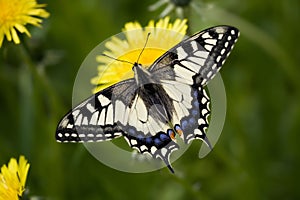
257	155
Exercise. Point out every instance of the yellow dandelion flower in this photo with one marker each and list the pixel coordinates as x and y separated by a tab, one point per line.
15	14
13	179
164	35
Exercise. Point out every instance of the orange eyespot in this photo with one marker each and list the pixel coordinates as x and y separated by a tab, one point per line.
171	134
178	130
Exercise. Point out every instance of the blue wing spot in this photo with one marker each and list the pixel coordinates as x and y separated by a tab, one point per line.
164	137
140	136
196	104
131	131
157	142
192	121
196	93
170	131
184	124
149	140
194	113
177	128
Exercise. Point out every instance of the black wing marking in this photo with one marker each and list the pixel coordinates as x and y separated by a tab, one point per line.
93	120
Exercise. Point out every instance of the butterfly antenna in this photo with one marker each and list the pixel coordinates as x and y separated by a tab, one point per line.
120	60
143	47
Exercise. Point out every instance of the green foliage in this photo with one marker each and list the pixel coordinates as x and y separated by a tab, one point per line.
257	155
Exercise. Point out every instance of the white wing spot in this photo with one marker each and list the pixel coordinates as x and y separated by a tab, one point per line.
143	148
223	51
164	152
74	135
118	133
153	149
206	35
133	142
94	118
223	61
59	135
214	67
90	107
201	121
110	115
182	72
208	47
204	111
199	61
209	74
203	100
65	122
194	45
232	32
201	54
220	36
78	121
75	113
191	65
103	100
141	110
229	37
211	41
172	91
119	111
70	126
197	132
101	118
181	53
220	30
203	81
85	121
226	44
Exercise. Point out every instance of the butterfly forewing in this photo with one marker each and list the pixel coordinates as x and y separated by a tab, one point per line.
197	59
93	120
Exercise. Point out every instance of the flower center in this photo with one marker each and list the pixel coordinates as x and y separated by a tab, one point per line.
148	56
9	11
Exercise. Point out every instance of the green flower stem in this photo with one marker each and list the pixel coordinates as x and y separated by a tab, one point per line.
35	93
39	109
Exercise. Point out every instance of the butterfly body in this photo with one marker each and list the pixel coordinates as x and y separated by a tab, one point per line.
159	102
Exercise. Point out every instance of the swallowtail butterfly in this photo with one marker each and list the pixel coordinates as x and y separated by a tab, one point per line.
161	101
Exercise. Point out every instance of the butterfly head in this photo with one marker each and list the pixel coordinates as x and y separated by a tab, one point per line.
142	75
